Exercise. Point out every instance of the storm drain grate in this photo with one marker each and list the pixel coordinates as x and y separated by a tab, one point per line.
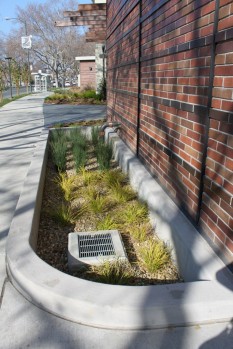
95	245
93	248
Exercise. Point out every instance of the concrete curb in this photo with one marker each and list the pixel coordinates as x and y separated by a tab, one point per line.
106	306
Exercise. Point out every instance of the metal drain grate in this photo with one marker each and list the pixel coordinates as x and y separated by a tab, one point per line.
95	245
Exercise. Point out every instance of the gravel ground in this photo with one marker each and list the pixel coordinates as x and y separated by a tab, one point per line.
53	237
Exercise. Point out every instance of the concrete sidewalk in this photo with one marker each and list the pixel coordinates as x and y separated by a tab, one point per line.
22	325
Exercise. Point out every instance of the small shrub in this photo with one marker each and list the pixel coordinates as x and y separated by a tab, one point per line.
155	255
104	155
89	94
102	90
60	90
56	97
58	150
116	272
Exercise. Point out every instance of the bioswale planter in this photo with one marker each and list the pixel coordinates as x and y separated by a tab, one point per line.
119	307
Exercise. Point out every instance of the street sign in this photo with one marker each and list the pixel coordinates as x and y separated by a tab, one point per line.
26	42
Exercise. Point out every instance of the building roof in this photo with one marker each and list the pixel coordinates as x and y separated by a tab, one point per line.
85	58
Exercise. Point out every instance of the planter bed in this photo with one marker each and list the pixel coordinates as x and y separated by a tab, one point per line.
205	296
103	197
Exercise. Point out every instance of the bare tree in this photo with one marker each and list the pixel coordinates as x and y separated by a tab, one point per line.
4	71
13	49
54	47
3	77
16	74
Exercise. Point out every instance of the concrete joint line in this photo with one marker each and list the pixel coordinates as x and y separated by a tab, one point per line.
3	290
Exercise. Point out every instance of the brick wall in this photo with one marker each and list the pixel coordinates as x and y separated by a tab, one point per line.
87	74
170	80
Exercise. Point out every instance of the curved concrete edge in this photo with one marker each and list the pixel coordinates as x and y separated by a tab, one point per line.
99	305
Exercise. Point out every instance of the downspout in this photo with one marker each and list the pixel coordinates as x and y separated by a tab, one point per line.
114	124
139	79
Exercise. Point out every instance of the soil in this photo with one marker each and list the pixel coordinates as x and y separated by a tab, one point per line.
80	123
52	243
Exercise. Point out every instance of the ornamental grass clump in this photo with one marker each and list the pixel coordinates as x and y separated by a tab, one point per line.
98	204
114	178
56	97
107	223
66	183
58	150
104	155
122	194
58	135
80	157
116	272
63	214
95	136
134	212
140	231
154	255
77	138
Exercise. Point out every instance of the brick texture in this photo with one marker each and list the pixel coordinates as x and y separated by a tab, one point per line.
170	84
88	74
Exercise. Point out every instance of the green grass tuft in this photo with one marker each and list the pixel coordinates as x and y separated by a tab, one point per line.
80	157
77	138
135	212
99	204
122	194
155	255
107	223
58	150
63	214
116	272
140	231
104	155
95	135
67	184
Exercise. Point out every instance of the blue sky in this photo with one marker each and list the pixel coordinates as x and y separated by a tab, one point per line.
8	9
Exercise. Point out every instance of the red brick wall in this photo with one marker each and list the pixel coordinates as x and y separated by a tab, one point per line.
87	76
170	79
217	212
